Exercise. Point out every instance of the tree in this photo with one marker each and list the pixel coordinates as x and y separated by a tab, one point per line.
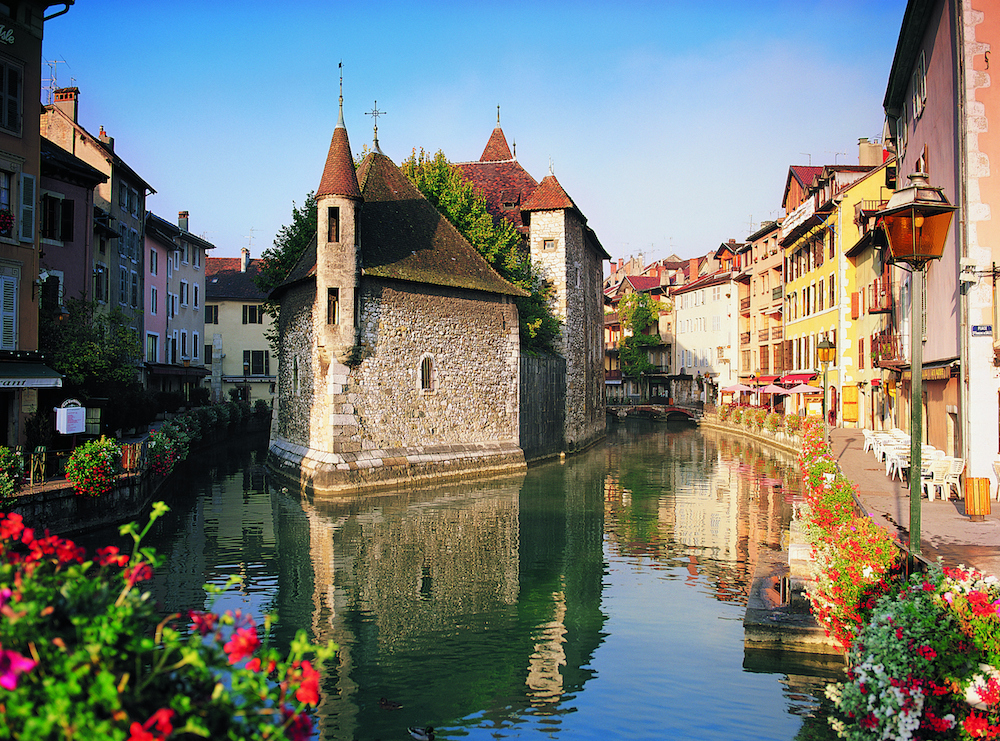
94	350
636	311
291	241
99	355
495	239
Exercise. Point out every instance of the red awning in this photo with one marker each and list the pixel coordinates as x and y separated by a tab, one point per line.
798	377
765	380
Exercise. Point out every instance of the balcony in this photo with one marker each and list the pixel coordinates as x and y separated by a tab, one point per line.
880	296
612	375
744	338
776	293
763	335
777	333
745	305
887	350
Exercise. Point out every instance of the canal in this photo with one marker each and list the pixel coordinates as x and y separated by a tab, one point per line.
597	598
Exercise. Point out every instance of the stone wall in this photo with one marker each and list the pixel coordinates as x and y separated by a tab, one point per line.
575	270
372	423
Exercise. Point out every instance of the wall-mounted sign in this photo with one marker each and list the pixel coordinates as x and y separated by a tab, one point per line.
6	35
982	330
71	420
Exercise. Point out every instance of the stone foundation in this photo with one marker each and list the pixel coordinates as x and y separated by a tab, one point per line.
322	473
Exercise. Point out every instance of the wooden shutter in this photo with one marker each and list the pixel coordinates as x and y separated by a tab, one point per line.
849	400
855	305
27	225
8	312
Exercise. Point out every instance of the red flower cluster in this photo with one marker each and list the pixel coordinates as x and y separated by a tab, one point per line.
158	727
978	726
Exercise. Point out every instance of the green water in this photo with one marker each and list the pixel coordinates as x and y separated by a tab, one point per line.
599	598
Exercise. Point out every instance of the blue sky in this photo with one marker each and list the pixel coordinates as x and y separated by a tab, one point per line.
670	124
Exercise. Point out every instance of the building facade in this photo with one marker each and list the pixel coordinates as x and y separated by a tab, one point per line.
236	331
398	343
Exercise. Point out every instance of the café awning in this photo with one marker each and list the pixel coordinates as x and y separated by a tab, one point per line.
29	376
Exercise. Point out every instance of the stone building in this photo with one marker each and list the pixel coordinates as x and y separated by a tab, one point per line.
399	347
571	258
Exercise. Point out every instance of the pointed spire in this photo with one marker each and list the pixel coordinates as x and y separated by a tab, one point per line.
339	178
496	148
375	113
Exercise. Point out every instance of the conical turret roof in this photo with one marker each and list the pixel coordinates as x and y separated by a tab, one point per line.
339	178
496	148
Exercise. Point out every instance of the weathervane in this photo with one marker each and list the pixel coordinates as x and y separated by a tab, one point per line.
375	113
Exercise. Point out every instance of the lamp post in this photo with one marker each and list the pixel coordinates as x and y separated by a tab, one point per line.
915	222
825	350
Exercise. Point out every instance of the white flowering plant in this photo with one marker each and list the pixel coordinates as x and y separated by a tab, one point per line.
922	667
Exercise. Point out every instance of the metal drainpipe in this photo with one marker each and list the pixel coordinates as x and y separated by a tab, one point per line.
61	12
962	246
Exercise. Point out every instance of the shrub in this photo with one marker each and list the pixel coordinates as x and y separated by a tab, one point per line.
11	472
724	412
793	423
200	396
92	467
754	419
924	666
261	408
163	452
737	415
773	422
85	653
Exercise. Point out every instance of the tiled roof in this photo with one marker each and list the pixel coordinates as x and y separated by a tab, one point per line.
224	280
338	174
496	148
406	238
549	196
641	283
501	183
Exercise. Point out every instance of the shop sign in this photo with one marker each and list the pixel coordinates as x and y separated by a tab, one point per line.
6	35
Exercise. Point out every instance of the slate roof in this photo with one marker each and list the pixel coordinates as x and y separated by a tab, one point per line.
405	238
224	280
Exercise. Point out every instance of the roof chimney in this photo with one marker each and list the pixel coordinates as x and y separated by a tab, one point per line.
66	100
245	260
108	141
621	262
182	220
693	268
869	154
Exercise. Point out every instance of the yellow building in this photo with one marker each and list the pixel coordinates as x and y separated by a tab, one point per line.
823	296
236	328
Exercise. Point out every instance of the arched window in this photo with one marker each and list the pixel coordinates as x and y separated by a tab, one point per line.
427	374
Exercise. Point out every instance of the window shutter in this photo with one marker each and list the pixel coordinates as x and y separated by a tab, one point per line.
855	305
27	226
12	93
267	362
245	307
66	221
8	312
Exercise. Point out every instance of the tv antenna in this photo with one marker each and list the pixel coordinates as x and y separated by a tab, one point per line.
250	237
807	154
52	85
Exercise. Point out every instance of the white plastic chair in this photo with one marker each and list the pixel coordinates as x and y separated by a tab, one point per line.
954	476
938	470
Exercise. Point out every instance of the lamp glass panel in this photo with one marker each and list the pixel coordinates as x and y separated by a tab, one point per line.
917	237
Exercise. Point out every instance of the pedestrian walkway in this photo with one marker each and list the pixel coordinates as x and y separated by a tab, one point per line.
946	531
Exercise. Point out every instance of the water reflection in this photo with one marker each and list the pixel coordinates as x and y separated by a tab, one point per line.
597	598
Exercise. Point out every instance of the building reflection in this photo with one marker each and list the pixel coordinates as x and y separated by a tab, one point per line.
701	502
464	600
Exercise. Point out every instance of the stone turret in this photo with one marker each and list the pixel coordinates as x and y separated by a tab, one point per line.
338	203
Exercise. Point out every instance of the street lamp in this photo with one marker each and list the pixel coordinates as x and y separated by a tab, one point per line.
825	350
915	222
